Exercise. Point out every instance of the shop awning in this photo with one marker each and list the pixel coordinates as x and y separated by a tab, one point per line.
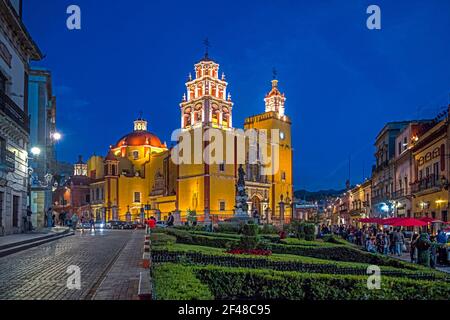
409	222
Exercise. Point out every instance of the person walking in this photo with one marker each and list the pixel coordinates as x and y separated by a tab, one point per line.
412	251
442	240
74	222
170	220
398	241
386	243
92	223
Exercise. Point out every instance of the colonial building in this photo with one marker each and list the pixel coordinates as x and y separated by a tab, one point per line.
43	135
73	196
140	176
430	174
403	166
360	200
278	185
383	173
17	48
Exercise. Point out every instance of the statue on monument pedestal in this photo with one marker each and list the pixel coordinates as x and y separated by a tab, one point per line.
241	195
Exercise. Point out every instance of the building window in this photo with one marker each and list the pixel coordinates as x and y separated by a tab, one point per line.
406	185
405	143
137	197
222	167
136	155
283	175
97	194
436	169
15	211
444	215
88	198
222	205
2	195
399	148
2	83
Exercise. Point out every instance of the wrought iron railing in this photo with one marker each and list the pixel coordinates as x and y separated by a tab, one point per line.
430	182
7	160
12	110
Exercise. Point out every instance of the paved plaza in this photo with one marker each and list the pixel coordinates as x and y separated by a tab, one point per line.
108	261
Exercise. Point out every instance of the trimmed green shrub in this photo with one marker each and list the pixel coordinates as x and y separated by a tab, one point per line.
236	283
334	239
162	239
190	228
178	282
201	240
340	253
229	227
249	237
310	231
261	262
269	229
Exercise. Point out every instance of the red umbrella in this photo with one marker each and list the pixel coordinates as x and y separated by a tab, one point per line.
409	222
426	219
391	221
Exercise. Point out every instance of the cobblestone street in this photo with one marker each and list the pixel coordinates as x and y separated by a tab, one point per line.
108	260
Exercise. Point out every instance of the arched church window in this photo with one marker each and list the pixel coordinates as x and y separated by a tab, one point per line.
226	120
187	120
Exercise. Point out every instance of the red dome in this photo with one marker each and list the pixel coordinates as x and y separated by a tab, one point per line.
140	138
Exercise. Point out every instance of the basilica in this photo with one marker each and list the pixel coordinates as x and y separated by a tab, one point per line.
138	177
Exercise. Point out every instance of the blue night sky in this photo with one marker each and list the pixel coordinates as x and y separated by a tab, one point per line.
343	82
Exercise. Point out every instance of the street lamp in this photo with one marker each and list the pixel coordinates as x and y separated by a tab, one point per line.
56	136
35	151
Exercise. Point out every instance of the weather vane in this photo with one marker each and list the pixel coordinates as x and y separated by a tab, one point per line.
207	46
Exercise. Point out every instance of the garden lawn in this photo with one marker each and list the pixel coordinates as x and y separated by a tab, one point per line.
178	281
216	256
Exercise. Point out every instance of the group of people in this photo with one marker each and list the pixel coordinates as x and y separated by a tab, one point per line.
152	221
394	242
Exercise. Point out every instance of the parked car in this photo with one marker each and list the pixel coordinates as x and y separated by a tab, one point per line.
114	224
138	225
125	225
100	224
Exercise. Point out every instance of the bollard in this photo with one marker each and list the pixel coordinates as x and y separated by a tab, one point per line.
146	260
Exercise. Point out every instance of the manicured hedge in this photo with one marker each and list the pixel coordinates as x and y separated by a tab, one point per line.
201	240
254	262
327	251
341	253
235	283
162	239
178	282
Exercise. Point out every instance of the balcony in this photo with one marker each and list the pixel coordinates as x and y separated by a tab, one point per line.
12	110
7	160
399	193
381	198
429	183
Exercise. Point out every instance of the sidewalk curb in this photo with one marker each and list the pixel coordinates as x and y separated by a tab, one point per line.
28	244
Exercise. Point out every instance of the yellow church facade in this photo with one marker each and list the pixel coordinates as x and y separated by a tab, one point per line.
141	177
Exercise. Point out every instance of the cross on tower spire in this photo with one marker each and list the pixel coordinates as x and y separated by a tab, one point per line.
274	73
207	46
